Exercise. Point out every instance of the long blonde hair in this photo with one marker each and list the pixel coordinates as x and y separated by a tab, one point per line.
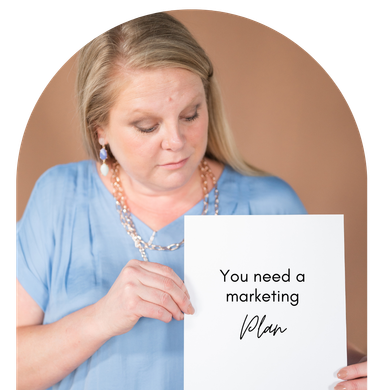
152	41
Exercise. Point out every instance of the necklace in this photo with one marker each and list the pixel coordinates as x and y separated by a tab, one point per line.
127	221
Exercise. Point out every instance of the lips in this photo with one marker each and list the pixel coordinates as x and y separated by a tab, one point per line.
175	165
177	162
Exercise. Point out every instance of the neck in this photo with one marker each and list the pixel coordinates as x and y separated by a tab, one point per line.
158	209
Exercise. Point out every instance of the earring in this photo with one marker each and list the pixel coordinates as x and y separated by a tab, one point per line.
103	155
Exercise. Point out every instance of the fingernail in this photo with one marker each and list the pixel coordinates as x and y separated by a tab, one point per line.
181	316
340	386
342	374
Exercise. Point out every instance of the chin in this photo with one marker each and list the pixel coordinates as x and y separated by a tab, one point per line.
178	178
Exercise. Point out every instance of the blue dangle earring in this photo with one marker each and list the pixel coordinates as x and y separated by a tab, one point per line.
103	155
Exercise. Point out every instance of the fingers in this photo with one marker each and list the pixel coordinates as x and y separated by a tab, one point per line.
353	371
356	384
160	298
164	279
164	270
354	376
150	310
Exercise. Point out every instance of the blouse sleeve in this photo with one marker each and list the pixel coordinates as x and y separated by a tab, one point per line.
34	243
272	195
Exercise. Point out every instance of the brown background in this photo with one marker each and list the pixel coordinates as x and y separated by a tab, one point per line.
288	118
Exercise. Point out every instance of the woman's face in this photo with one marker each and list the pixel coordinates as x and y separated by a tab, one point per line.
157	128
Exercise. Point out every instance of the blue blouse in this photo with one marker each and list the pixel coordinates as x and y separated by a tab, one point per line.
71	246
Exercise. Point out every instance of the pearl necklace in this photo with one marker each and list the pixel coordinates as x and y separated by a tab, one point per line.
127	221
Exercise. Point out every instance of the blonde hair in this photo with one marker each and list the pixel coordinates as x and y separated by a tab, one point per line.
152	41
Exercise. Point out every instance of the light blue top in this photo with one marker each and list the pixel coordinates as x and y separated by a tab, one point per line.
71	247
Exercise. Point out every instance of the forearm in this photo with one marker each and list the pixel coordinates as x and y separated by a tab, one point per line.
48	353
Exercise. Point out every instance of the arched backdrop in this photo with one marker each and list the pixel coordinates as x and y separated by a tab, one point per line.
288	118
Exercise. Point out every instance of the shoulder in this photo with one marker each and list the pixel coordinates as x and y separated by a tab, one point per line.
59	185
68	175
66	181
45	224
270	195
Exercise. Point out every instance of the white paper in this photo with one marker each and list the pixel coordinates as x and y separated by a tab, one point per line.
304	344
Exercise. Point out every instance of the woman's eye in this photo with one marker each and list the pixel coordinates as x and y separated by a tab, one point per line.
150	130
193	117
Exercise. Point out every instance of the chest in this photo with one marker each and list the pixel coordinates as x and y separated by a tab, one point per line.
90	251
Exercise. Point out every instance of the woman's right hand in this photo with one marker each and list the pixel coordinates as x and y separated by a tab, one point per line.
48	353
142	289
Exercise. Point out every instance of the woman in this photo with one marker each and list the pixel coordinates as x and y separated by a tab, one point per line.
100	294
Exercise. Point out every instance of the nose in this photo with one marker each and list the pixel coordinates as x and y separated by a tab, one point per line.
173	137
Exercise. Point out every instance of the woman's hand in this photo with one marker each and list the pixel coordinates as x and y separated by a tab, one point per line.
142	289
355	377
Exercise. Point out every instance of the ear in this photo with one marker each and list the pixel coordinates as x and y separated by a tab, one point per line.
101	135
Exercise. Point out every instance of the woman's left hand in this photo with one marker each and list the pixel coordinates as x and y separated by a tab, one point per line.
355	377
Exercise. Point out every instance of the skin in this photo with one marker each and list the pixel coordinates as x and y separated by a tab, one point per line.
354	376
48	353
171	103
